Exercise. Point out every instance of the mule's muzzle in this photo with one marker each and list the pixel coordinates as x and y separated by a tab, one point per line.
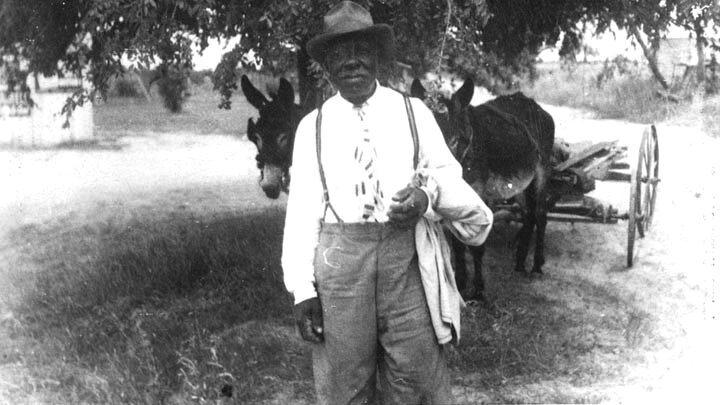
272	181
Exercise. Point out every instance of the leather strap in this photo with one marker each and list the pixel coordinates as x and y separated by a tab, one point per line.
318	148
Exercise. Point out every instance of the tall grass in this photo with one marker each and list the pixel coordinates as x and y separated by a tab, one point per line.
200	115
631	96
710	111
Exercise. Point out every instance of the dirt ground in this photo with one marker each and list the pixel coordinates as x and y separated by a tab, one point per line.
682	247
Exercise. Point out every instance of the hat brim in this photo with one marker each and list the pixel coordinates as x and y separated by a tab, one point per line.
382	33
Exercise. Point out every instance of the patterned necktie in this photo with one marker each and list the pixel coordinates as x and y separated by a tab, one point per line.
368	188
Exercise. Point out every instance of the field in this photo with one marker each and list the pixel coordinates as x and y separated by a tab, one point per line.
144	268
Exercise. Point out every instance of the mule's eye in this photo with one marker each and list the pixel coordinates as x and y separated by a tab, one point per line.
283	141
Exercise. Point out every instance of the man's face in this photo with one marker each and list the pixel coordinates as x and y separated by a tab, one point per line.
352	66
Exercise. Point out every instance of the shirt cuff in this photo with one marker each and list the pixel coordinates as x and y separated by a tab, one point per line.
430	213
304	292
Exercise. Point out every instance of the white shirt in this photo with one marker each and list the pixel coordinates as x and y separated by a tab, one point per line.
385	121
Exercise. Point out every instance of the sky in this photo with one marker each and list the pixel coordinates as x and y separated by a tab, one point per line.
212	54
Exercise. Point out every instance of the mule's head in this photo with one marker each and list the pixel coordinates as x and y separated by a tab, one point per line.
452	115
273	134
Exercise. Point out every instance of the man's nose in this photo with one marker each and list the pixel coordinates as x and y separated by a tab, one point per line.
351	62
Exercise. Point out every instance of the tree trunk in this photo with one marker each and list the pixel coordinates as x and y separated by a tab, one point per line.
651	56
306	83
700	48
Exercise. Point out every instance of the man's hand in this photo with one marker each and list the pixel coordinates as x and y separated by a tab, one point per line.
409	204
309	319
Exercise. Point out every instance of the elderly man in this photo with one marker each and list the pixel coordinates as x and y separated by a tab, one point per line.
371	175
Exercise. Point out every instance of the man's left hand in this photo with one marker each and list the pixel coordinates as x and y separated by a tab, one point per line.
408	205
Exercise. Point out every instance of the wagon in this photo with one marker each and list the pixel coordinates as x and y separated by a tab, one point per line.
575	176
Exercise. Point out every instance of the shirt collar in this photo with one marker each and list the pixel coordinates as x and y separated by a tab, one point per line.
369	102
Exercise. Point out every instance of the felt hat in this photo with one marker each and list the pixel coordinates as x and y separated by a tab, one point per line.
348	18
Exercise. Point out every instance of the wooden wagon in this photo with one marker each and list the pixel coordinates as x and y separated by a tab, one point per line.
574	177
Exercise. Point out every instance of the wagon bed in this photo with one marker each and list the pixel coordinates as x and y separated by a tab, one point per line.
579	166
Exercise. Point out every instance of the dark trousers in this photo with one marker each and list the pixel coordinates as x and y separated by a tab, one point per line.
379	343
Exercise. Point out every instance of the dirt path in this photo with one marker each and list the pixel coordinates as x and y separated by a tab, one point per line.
51	183
682	249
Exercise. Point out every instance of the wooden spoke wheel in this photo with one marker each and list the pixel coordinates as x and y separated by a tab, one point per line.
643	190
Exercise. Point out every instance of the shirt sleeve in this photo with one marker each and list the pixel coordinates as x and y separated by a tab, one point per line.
439	174
303	214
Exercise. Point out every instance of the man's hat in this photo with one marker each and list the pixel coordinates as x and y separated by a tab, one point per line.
349	18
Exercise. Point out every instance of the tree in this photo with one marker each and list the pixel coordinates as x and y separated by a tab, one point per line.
700	17
101	33
277	33
482	39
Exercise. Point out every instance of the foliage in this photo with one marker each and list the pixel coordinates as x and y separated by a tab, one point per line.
624	92
619	66
173	88
492	41
118	117
125	86
198	77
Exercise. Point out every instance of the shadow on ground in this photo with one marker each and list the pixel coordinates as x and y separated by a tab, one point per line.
181	305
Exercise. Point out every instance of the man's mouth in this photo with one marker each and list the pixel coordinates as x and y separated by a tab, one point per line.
353	76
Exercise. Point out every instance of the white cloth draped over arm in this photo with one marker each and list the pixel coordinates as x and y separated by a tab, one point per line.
304	211
452	200
453	204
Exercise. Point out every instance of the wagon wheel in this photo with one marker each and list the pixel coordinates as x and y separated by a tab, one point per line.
643	189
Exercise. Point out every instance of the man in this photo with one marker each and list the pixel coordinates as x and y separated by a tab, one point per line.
349	248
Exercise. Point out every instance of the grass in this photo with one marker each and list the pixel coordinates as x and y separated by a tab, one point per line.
200	115
631	96
144	304
150	305
129	302
710	110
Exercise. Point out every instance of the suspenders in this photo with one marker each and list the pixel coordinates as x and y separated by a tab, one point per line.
318	148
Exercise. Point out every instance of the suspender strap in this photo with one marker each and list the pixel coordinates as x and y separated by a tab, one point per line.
413	129
318	148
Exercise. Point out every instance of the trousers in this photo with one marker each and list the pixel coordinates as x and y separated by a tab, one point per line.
379	345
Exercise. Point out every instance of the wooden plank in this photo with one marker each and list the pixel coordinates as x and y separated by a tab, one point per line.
613	175
584	154
599	166
576	218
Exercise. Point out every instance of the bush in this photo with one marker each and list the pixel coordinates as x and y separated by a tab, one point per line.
127	86
173	88
619	66
710	111
198	77
624	93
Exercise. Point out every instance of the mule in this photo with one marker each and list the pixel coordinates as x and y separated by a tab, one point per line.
504	148
273	134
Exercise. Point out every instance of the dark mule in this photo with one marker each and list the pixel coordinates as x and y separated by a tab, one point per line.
504	147
273	134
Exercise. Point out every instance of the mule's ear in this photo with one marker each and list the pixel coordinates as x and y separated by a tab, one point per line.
465	93
251	134
417	89
286	94
253	95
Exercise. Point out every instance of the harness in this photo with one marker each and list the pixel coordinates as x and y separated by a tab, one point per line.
318	148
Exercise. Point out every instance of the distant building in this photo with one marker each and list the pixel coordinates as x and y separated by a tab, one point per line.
31	112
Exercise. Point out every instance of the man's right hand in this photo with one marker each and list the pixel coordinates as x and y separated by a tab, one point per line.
309	319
